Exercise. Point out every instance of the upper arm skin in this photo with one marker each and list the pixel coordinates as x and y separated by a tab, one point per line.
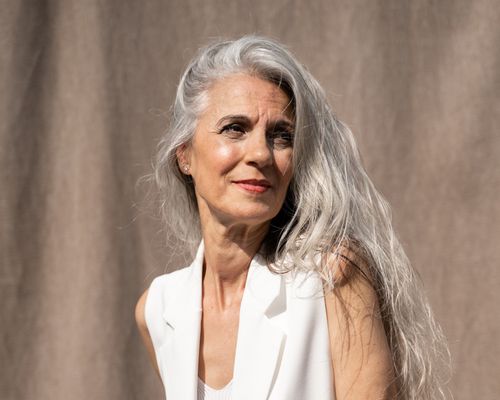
140	318
361	357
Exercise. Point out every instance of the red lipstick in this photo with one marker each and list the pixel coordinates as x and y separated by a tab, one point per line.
254	185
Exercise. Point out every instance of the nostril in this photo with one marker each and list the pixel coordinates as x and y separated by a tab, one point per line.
260	157
259	153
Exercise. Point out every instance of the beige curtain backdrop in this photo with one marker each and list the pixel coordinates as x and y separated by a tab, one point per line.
84	87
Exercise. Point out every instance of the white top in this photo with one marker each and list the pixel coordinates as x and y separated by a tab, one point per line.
282	348
205	392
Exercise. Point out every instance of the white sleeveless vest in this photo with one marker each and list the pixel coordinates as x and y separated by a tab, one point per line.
282	349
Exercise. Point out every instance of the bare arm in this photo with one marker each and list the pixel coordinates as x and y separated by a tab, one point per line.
140	319
362	362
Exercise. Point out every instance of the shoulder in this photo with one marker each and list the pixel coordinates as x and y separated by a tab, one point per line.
152	304
349	264
352	290
170	279
162	286
344	266
157	292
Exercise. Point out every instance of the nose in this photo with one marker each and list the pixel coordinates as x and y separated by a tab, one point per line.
258	151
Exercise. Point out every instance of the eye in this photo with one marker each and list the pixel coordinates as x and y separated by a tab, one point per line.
282	139
233	130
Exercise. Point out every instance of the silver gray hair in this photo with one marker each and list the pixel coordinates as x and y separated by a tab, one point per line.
331	201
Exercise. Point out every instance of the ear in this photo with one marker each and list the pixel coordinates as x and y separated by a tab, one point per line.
183	158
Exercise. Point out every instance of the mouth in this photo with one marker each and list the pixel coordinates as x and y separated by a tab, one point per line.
254	185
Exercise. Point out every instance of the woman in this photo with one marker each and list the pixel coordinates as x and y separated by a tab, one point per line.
299	288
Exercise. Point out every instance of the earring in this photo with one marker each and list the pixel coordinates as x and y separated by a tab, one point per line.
186	168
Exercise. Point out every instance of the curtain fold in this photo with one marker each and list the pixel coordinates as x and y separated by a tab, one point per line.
85	89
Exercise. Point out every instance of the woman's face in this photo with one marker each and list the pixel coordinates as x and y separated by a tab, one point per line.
240	158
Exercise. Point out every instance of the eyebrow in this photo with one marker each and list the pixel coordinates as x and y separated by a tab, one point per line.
243	119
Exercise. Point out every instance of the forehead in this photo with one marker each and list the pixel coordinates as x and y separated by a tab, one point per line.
243	93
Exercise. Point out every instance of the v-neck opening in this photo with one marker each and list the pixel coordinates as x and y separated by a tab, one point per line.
210	388
238	334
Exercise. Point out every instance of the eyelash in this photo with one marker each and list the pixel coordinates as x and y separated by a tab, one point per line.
233	127
286	136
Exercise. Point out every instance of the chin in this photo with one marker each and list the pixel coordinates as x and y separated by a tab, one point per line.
254	216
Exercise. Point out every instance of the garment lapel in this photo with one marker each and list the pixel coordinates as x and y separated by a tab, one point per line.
183	316
261	339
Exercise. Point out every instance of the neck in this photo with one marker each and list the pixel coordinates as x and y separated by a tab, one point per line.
229	249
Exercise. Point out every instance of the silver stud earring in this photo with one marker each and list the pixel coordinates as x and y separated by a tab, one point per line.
186	168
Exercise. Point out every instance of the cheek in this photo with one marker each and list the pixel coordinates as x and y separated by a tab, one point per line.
224	156
213	159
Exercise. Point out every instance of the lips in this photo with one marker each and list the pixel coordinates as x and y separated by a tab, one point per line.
254	185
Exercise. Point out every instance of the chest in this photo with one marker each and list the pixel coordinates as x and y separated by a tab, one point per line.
276	348
218	340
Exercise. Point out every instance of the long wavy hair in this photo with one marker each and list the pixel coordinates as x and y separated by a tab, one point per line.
331	203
